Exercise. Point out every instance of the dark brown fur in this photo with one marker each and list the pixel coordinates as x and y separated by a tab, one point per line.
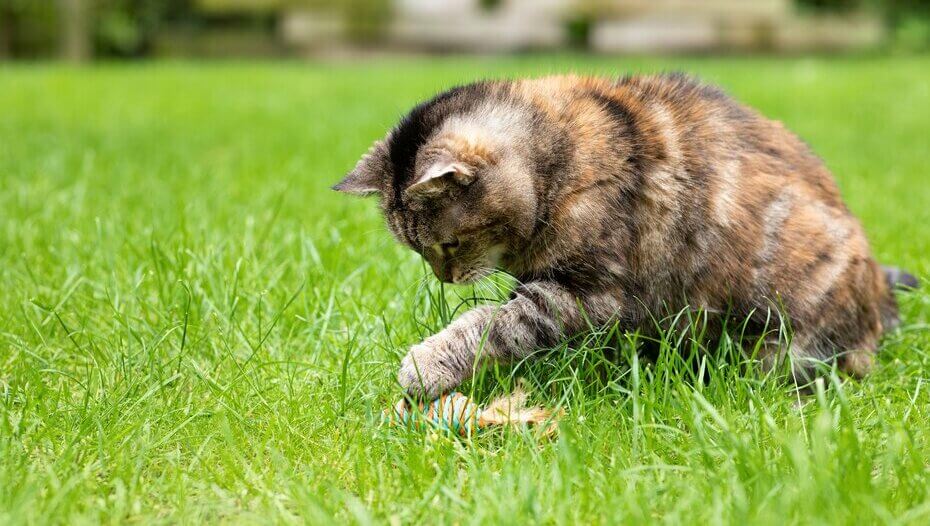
617	200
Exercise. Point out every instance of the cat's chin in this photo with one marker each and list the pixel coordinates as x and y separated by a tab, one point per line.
472	276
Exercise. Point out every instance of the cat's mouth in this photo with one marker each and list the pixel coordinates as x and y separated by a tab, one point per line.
480	269
464	270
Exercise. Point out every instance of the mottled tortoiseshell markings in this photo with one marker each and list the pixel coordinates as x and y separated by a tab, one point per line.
622	200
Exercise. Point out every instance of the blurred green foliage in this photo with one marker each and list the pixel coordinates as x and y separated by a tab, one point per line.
908	20
490	5
130	28
831	5
28	28
579	31
119	28
365	19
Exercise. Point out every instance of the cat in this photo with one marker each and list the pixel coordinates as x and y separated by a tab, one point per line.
610	200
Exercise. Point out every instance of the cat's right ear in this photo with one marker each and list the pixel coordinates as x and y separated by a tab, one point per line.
368	175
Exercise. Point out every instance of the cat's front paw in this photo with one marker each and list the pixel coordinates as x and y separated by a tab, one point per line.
424	372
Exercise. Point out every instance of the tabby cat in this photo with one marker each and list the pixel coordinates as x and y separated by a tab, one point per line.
614	200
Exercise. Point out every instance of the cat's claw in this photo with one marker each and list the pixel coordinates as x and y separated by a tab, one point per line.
423	375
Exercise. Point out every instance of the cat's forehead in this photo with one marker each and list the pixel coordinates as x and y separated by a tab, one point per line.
480	115
476	137
491	121
421	124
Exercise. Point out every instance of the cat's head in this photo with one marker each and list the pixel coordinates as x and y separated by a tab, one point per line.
455	183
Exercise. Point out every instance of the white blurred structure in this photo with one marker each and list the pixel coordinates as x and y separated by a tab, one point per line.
463	24
611	26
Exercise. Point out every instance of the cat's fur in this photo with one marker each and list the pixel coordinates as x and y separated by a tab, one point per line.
616	200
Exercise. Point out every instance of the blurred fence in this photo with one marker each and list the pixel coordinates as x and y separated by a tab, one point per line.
83	29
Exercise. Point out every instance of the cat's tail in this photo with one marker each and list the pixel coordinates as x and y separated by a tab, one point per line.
900	279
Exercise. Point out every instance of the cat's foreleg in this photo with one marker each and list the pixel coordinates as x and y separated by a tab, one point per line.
540	315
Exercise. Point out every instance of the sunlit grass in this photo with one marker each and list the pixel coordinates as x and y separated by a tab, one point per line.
194	328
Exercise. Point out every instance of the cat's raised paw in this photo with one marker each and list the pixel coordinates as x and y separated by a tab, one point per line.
423	373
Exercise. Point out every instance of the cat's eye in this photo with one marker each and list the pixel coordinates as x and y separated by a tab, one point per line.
450	246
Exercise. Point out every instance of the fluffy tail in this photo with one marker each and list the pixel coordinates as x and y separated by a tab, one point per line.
512	410
900	279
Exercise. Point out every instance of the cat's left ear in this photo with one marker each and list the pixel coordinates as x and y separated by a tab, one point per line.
368	176
437	178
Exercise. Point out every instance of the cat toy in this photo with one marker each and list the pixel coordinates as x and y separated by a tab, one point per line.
459	414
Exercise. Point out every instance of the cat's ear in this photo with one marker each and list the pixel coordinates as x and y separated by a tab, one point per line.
438	177
368	175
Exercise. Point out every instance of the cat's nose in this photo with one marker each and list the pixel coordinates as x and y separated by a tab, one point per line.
444	273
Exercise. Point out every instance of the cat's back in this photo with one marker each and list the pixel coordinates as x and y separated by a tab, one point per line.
689	171
675	120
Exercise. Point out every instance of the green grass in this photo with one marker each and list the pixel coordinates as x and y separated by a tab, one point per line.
194	328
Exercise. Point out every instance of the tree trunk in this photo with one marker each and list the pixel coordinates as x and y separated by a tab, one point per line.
75	31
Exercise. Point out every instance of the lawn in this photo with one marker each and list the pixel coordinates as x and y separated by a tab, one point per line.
194	328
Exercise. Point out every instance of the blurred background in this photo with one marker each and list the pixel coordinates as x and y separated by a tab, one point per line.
85	30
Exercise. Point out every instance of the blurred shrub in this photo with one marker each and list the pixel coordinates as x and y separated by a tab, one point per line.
128	28
28	28
910	23
908	20
831	5
490	5
366	20
578	29
121	28
911	33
